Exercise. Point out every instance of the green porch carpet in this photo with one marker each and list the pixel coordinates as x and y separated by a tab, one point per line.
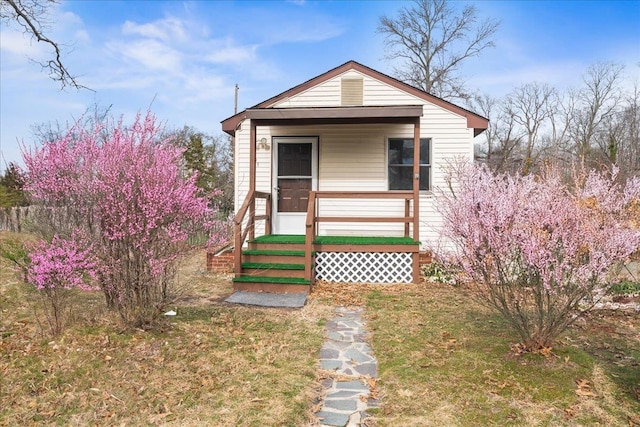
274	266
281	238
272	252
337	240
364	240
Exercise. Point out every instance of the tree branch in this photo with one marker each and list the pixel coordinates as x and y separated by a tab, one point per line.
433	39
27	17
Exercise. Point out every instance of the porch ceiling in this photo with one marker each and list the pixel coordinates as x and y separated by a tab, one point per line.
330	115
371	112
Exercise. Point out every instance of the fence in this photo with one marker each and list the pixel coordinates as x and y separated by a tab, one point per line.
25	218
15	218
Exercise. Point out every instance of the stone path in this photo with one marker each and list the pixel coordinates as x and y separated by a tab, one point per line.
352	365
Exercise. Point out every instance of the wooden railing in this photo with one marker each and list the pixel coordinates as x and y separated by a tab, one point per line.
313	219
240	235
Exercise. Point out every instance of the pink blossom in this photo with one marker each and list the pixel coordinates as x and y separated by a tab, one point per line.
62	264
566	235
128	197
534	245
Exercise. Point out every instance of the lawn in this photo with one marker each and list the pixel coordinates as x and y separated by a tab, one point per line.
443	360
211	364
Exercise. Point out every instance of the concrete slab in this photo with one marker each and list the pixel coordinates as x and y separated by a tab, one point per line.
265	299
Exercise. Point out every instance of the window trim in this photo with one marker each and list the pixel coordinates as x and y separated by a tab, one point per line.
428	165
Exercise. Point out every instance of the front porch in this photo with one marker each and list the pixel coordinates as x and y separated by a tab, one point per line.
374	146
367	236
291	263
276	263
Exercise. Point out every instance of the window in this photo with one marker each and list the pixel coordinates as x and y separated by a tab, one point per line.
401	163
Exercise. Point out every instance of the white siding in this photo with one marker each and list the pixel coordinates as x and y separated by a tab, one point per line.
379	93
354	158
241	172
327	94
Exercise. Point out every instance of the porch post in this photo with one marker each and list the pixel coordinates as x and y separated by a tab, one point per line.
416	197
252	156
238	235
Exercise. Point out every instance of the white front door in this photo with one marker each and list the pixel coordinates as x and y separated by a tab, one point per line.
295	174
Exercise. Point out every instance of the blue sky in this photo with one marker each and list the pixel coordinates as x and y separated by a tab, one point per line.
184	57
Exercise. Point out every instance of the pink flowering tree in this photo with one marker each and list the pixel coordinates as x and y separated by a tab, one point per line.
122	189
220	233
536	250
55	269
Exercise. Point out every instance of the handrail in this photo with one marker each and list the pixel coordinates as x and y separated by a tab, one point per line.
249	205
407	196
309	235
393	194
312	219
243	209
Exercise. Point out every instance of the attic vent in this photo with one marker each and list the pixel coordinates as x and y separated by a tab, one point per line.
351	91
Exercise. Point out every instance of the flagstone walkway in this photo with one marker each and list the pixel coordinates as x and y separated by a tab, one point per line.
353	368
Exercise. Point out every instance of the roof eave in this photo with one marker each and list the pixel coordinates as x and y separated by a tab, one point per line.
474	121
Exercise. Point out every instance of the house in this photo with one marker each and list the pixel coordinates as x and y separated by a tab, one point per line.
334	179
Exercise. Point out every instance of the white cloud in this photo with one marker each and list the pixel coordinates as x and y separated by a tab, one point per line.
82	36
67	19
168	30
299	29
166	42
17	43
149	53
221	52
162	53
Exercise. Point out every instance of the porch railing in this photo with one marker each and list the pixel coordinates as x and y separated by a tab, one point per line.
246	218
313	219
240	234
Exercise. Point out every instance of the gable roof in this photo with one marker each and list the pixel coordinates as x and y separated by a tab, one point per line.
475	121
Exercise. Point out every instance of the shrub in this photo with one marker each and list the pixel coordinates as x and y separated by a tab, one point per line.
439	272
55	268
536	250
120	191
625	288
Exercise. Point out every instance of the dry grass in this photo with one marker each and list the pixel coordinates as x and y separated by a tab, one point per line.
212	364
443	361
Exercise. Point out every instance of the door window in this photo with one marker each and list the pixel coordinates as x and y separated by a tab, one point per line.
294	176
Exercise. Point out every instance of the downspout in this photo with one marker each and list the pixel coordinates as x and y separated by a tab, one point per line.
416	197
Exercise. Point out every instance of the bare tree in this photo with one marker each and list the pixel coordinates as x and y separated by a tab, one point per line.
596	124
31	16
431	40
618	138
599	99
529	105
562	106
629	151
503	137
486	105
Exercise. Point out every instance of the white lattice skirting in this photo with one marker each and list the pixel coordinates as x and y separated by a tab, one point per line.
364	267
